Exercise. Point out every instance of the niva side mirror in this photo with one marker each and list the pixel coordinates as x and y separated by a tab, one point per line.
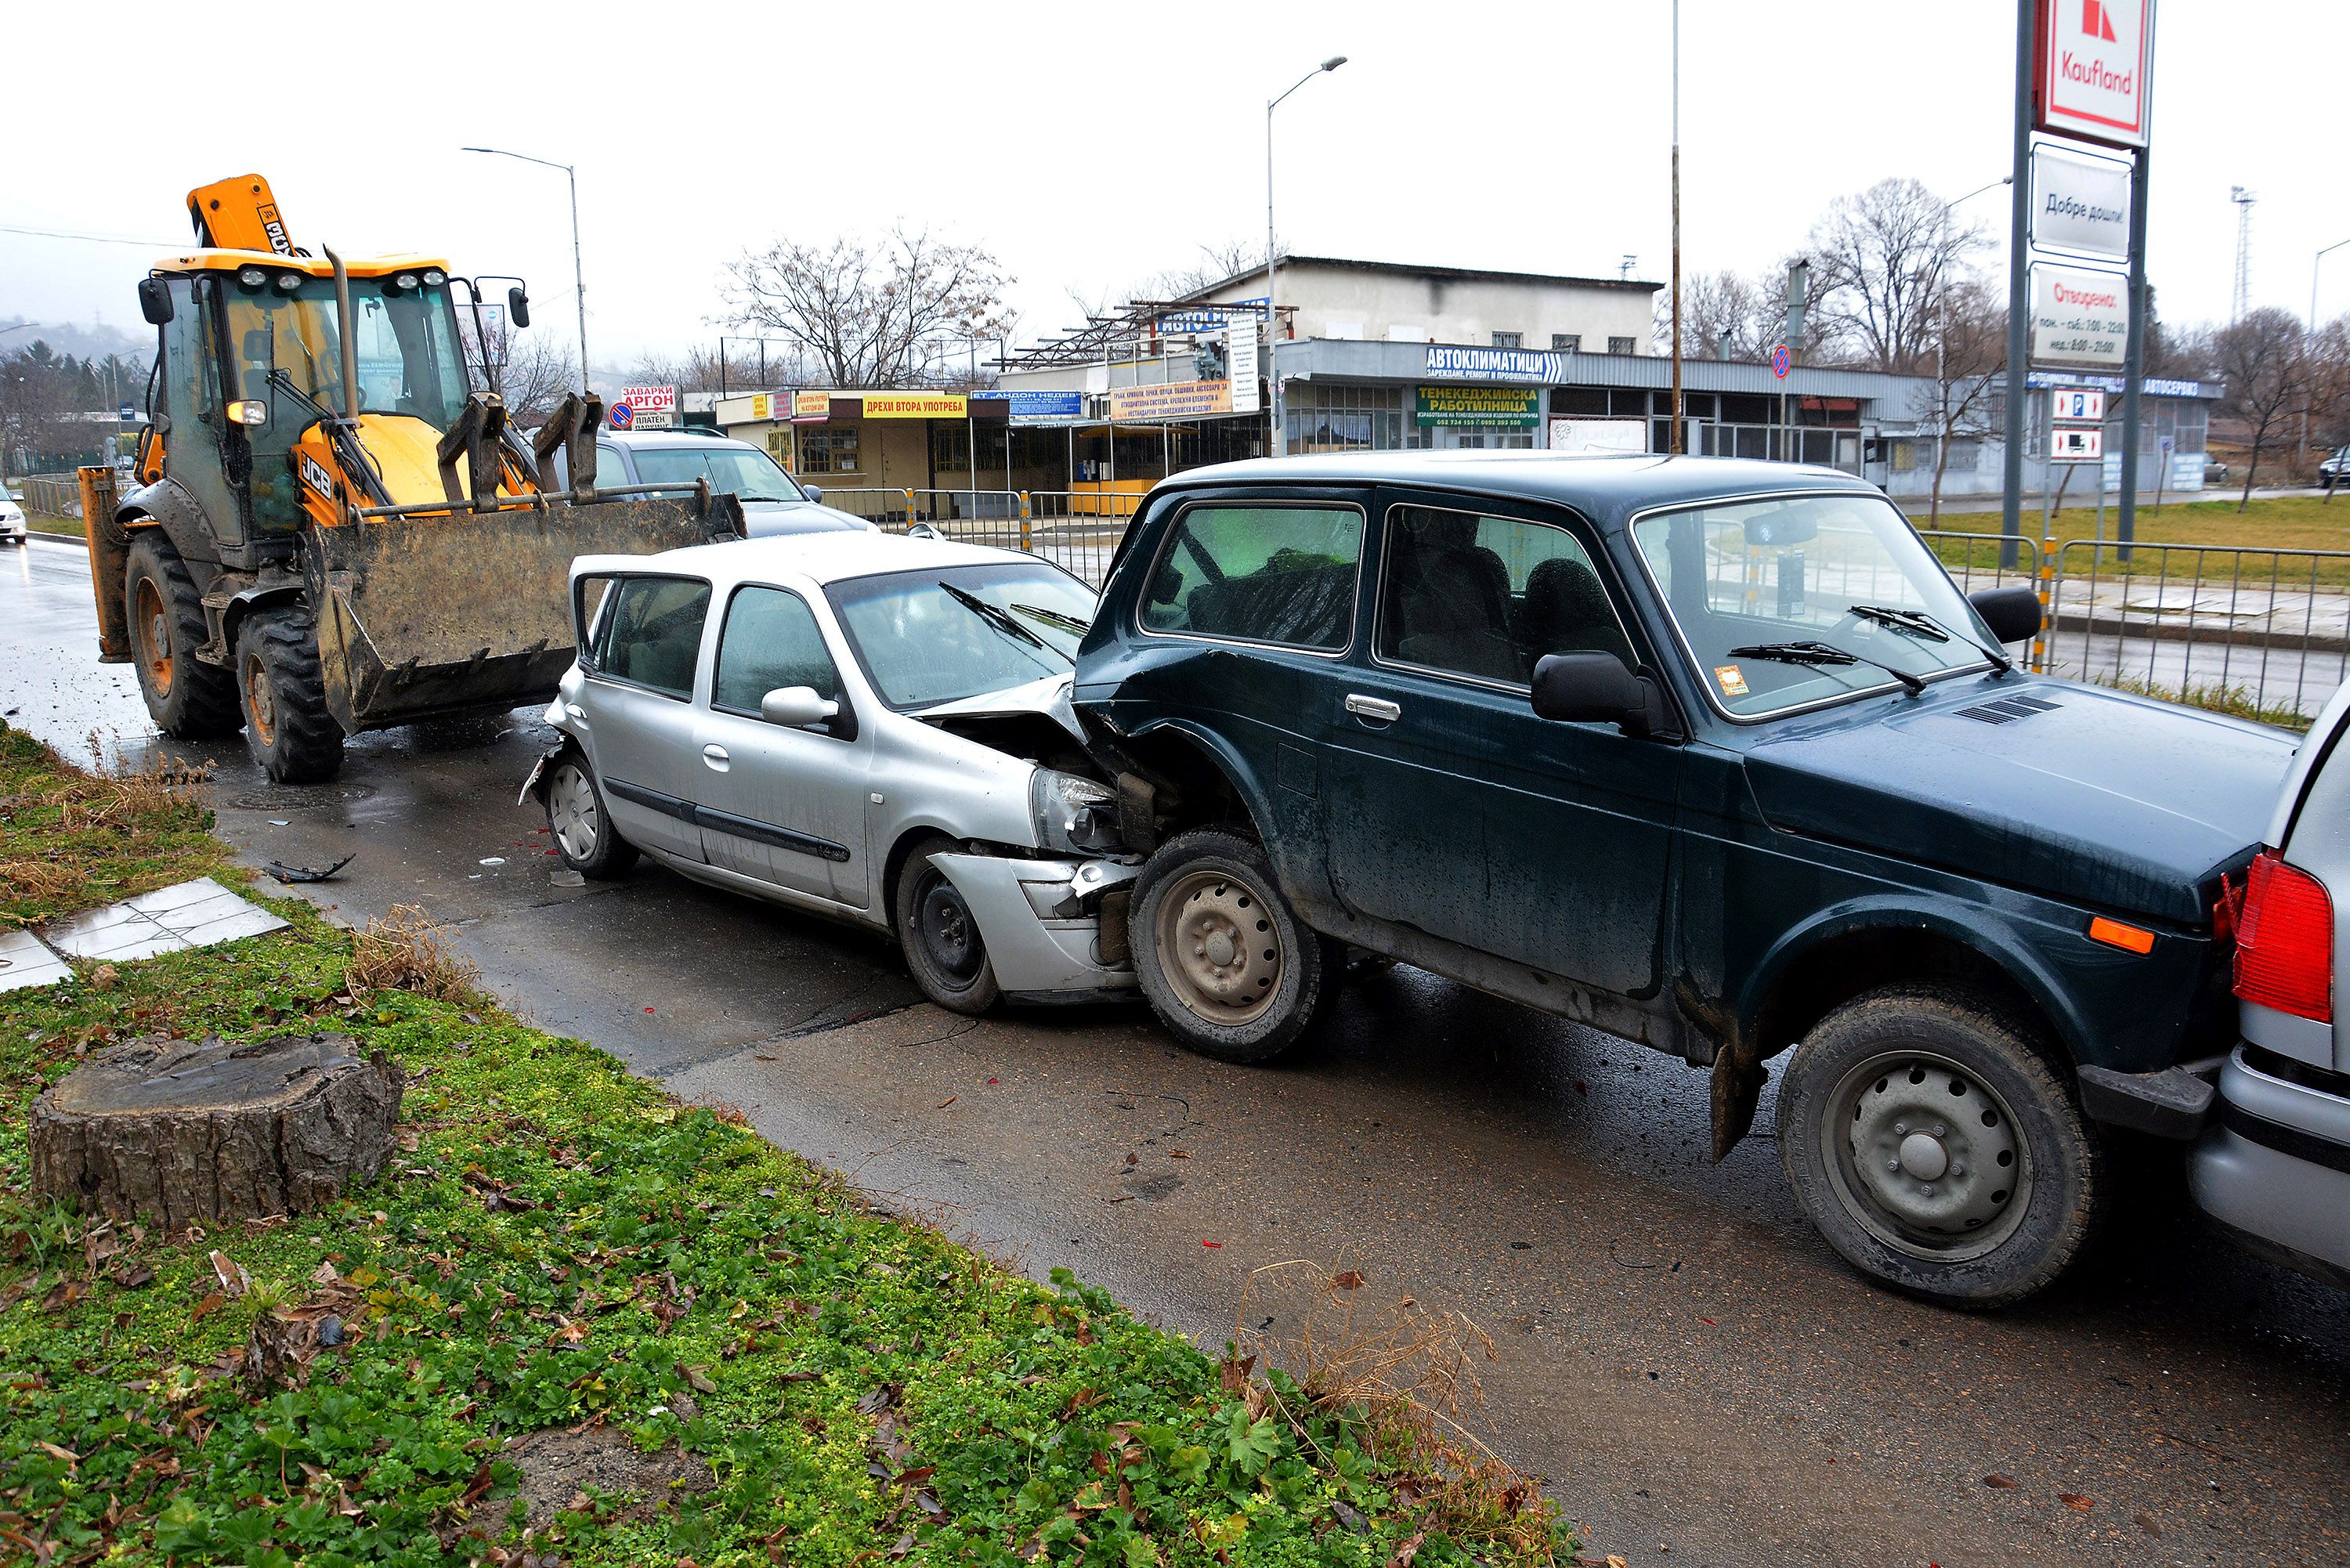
1588	687
2012	613
155	301
518	306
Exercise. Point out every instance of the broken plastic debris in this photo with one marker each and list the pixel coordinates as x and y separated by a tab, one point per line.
493	860
292	874
564	876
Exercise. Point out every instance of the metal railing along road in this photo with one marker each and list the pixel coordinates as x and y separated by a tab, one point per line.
1077	530
2257	630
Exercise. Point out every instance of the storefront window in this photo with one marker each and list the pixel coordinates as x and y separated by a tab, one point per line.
828	452
1347	419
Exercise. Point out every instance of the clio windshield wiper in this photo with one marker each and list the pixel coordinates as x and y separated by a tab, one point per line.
1055	619
994	616
1822	653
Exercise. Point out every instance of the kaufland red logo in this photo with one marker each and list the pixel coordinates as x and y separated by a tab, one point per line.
2096	23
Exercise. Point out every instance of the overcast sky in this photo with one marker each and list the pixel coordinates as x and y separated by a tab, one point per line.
1089	147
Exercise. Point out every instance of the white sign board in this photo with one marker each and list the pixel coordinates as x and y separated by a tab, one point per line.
2080	204
1240	349
653	407
2076	443
2095	60
2079	317
2076	405
1599	435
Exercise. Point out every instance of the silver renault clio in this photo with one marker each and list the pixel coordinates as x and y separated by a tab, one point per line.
867	727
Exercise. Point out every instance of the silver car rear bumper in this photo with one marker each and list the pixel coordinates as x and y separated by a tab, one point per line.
1038	950
2275	1169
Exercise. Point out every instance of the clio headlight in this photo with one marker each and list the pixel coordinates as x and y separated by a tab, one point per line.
1073	816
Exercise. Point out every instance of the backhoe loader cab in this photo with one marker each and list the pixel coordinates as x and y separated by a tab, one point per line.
334	531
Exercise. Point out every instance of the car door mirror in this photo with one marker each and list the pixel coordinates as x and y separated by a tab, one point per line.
2012	613
155	301
796	707
518	306
813	491
1587	688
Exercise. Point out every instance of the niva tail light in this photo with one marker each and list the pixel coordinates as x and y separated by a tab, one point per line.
2284	941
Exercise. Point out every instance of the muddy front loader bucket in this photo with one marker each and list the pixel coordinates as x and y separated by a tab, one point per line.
421	617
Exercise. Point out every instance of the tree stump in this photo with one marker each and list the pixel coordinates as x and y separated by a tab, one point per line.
184	1131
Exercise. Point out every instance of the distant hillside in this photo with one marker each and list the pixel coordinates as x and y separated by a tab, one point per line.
98	338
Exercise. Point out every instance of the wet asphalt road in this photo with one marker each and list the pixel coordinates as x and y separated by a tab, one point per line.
1697	1375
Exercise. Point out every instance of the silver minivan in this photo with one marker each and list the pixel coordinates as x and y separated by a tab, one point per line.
2273	1168
772	501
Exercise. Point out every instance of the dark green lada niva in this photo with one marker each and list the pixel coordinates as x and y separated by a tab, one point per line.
1711	755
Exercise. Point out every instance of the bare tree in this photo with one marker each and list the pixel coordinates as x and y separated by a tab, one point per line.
1970	347
534	372
36	401
1723	317
1881	263
864	313
2328	389
2265	366
1217	264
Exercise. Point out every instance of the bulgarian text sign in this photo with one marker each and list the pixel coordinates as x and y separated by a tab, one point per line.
2080	204
1240	362
1170	400
1598	435
811	407
1448	363
1513	406
915	406
2079	317
2095	56
1036	408
650	408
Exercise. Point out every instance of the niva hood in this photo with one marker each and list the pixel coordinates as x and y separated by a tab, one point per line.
2084	793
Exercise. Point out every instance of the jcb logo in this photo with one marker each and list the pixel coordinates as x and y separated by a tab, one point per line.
315	475
275	226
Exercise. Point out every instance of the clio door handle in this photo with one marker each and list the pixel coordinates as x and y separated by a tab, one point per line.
715	756
1378	708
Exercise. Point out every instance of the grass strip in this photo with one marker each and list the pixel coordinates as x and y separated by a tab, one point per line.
711	1351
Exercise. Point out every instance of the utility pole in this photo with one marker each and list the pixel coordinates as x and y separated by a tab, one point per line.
1678	425
2133	356
2019	289
2242	301
1272	309
579	281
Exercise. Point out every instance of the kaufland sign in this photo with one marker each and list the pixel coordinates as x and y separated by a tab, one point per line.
2094	58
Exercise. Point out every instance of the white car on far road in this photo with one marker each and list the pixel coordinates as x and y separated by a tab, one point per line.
12	521
866	727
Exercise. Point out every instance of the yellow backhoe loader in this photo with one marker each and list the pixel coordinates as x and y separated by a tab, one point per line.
333	531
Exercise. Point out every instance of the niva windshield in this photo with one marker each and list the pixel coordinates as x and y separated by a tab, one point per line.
1747	582
950	632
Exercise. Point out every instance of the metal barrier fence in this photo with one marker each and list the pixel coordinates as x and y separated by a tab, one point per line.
1077	530
51	495
2255	629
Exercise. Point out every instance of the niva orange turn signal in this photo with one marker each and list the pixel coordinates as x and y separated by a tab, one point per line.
2114	934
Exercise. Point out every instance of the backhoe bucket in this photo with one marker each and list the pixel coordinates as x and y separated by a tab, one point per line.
423	616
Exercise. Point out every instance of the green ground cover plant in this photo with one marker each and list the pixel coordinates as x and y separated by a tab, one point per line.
574	1322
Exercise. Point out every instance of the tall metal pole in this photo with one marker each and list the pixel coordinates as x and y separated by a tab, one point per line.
1271	314
2132	358
1678	425
1272	309
578	277
2019	288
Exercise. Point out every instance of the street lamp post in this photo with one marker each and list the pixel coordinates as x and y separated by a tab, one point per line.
2313	265
579	283
1272	310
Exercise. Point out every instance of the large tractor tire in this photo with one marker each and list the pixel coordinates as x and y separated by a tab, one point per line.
189	701
288	725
